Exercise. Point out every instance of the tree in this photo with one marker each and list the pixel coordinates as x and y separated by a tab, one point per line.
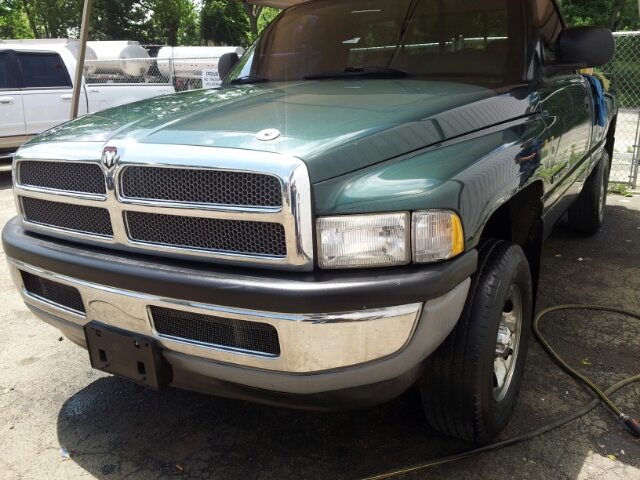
174	22
253	12
120	20
224	23
615	14
13	21
51	18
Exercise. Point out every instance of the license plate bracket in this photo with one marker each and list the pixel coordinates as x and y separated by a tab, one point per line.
127	354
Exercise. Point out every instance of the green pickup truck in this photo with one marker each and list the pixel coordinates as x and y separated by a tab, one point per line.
359	208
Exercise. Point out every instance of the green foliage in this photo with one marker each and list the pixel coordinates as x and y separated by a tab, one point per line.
224	23
266	17
620	189
615	14
174	22
13	21
171	22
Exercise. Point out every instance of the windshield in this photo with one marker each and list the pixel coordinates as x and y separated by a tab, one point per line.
471	41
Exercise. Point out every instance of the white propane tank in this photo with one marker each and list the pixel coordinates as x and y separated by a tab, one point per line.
89	54
188	62
116	58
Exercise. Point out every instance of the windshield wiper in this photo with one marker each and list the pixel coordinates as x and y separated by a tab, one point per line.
371	72
249	79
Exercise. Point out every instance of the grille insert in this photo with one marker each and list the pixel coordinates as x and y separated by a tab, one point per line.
201	186
66	176
213	234
78	218
225	332
53	292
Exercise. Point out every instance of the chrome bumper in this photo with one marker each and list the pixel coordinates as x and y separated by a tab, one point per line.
313	346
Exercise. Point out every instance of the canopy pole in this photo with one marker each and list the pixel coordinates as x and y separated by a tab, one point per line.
82	48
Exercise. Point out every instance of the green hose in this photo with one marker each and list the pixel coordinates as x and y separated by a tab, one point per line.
632	424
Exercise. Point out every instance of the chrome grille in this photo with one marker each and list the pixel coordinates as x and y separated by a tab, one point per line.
79	218
214	234
216	187
216	331
68	177
211	204
54	292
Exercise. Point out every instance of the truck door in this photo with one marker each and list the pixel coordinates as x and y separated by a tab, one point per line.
47	90
567	110
566	106
12	127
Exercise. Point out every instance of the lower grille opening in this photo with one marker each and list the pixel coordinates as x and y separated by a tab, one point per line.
79	218
54	292
216	331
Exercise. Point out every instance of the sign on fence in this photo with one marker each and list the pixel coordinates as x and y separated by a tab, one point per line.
210	78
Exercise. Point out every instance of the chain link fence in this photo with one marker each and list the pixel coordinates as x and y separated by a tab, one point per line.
182	73
624	73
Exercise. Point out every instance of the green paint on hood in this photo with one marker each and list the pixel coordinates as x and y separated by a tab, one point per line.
336	126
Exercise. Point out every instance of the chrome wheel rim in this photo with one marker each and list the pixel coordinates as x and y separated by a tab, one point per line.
507	343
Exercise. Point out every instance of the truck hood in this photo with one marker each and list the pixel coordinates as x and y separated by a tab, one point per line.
335	126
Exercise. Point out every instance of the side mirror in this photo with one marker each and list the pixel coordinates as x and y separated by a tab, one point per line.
590	46
582	47
226	63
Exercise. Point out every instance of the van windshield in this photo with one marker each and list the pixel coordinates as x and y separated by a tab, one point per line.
471	41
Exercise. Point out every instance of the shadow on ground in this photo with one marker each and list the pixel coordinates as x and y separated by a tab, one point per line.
114	428
5	181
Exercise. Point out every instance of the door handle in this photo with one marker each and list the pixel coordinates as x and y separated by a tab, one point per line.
66	97
6	100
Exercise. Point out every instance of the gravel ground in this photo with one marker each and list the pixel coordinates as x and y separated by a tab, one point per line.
51	399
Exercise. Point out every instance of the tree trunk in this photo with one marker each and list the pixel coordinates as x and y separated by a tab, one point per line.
32	24
253	12
613	19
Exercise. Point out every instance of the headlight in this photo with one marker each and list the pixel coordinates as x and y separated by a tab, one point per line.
436	235
366	241
362	241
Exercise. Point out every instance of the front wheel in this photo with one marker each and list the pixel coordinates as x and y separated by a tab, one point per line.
471	383
587	213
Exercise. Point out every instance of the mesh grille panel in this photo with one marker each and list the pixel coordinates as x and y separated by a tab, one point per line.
71	217
202	186
54	292
234	236
67	176
226	332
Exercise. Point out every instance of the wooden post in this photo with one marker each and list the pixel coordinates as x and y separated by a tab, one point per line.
82	48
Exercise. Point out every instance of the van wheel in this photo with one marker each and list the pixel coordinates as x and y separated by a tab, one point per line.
587	213
471	383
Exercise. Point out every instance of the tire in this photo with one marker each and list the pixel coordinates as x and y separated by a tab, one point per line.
586	215
460	392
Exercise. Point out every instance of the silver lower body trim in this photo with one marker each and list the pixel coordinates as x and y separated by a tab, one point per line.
309	343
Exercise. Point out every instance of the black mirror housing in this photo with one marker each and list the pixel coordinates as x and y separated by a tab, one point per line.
226	64
588	47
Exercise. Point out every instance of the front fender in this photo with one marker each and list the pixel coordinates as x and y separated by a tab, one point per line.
472	177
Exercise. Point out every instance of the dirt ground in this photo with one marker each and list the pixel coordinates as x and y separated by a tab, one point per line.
51	399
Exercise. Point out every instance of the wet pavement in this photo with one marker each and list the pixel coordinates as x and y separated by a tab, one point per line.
51	399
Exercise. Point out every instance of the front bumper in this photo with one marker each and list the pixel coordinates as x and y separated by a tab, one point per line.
374	330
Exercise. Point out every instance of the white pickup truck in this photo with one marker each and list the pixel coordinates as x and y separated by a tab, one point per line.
36	85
